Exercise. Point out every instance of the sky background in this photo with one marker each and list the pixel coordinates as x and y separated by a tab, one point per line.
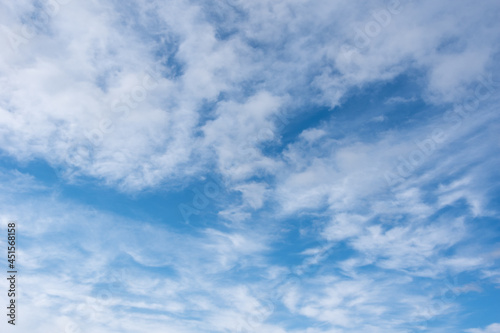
260	166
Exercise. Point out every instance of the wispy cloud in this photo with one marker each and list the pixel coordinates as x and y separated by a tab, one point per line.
493	328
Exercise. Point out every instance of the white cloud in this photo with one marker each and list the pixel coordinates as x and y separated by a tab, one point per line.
64	83
237	132
409	247
493	328
95	268
156	93
344	226
399	99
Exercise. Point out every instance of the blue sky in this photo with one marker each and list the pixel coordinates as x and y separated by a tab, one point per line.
252	166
